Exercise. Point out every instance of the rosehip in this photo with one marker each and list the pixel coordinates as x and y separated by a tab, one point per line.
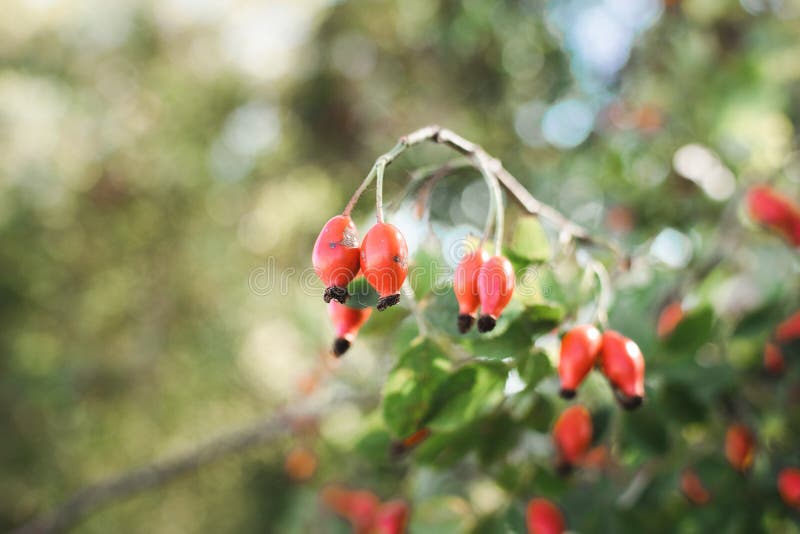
773	359
572	435
384	261
622	362
336	257
740	446
495	287
789	486
543	517
789	329
346	321
301	463
579	350
775	211
465	286
693	488
358	507
668	319
391	518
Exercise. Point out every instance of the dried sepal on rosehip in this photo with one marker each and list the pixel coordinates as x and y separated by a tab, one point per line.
572	436
346	322
622	363
384	262
465	287
579	349
496	284
543	517
336	257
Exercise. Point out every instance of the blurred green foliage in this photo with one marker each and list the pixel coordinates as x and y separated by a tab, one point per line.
165	167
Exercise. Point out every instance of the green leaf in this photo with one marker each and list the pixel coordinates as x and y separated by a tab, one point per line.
646	429
529	241
409	390
533	368
694	330
424	271
362	295
466	394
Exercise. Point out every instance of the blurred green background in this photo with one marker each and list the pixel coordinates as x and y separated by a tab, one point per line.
164	163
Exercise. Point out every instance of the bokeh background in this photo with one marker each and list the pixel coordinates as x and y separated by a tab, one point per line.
164	163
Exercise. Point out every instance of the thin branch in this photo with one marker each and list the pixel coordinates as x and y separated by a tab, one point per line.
480	157
88	500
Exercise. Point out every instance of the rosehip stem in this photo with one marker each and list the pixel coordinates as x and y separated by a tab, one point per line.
495	205
606	296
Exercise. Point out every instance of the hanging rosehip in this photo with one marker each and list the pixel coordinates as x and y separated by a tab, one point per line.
789	329
346	322
543	517
775	211
465	286
693	489
579	350
668	319
384	262
572	435
495	287
622	362
789	486
773	359
391	518
336	257
740	447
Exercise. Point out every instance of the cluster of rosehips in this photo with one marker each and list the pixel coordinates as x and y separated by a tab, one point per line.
617	357
775	212
786	332
740	451
482	282
382	258
365	512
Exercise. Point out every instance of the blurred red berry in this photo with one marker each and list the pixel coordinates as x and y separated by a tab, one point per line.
789	486
346	322
543	517
740	447
572	435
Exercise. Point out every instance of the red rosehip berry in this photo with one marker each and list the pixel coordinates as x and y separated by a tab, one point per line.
789	329
579	349
495	287
358	507
693	489
668	319
543	517
336	257
346	322
775	211
384	261
740	447
773	359
465	286
622	362
572	435
789	486
391	518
